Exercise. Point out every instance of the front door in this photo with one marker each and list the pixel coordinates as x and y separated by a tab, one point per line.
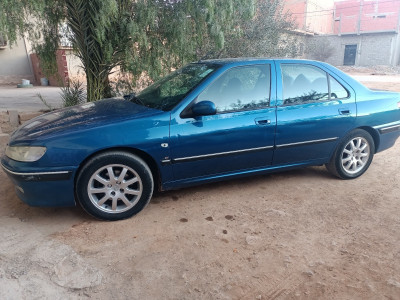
239	137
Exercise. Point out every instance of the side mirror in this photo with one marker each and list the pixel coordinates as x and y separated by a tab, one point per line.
204	108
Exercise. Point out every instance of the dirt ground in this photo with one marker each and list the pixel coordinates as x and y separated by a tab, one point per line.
292	235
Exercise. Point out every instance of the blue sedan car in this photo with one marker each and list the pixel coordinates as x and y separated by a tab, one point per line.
209	121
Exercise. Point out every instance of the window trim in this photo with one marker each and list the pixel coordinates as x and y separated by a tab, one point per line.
186	112
329	82
327	74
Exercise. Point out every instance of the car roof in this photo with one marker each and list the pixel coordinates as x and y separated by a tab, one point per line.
244	60
226	61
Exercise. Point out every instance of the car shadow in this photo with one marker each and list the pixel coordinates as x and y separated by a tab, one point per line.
248	182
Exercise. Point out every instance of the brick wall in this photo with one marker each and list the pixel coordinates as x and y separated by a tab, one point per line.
355	16
61	79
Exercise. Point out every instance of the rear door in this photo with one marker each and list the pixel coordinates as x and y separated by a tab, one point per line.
314	111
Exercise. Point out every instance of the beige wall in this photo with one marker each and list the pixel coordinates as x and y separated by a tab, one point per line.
320	16
15	64
75	71
315	16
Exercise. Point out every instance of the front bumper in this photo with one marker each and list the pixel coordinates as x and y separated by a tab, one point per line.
42	187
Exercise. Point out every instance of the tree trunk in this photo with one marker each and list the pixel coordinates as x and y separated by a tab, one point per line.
97	88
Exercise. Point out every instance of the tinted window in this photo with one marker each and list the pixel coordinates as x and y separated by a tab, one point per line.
304	84
241	88
337	90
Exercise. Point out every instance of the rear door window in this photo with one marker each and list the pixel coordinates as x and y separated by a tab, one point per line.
304	84
337	90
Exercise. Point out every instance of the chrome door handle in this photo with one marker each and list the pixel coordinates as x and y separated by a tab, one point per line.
344	111
263	122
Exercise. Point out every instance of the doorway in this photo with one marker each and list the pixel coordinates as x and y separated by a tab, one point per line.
350	52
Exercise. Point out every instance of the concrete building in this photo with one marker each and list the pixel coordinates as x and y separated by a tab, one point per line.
366	33
364	49
363	32
360	32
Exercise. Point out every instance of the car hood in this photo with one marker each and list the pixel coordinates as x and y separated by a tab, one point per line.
83	116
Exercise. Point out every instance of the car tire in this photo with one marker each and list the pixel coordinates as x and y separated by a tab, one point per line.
353	155
114	185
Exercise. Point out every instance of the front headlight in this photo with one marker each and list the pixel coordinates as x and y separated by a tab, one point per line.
25	153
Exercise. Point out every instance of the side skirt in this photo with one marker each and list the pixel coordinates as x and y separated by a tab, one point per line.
243	173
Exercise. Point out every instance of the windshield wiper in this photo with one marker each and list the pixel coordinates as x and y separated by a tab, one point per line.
132	97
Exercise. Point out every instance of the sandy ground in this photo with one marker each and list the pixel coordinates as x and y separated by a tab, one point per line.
291	235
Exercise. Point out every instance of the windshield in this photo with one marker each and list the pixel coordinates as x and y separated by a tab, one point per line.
166	93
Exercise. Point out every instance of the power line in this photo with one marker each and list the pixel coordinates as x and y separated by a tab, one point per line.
344	7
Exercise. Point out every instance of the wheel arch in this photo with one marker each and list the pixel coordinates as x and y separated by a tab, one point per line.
148	159
374	134
336	163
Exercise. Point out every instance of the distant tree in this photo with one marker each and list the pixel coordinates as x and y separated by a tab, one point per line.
142	35
319	48
268	33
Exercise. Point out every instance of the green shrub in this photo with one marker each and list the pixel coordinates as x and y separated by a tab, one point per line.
73	94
